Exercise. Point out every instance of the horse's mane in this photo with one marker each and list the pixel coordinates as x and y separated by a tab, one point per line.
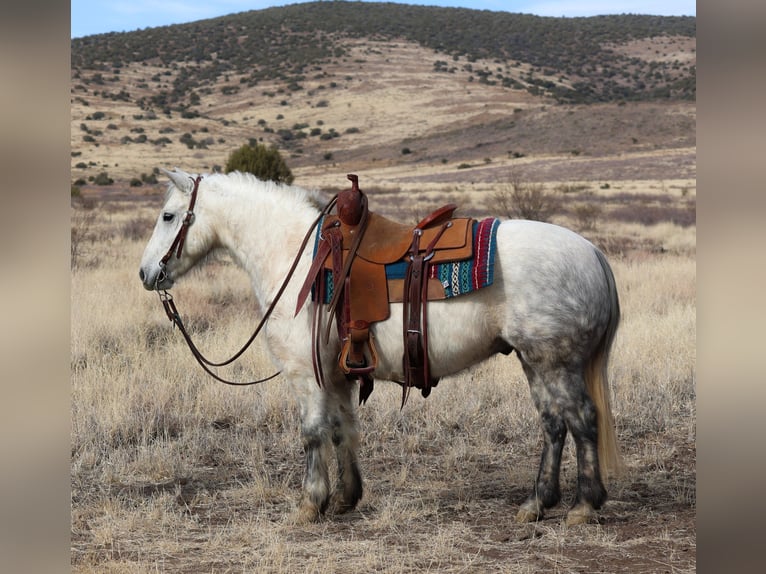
288	192
243	179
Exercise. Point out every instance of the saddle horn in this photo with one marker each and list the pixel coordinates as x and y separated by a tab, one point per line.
349	204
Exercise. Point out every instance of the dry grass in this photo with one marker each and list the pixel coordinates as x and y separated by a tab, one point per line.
172	472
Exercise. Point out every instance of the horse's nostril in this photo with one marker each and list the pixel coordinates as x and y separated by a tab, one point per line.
141	274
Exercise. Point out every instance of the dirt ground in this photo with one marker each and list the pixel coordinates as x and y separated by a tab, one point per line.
432	521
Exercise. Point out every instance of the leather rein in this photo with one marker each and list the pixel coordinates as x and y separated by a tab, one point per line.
172	312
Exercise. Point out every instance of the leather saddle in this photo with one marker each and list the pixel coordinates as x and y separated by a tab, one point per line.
349	275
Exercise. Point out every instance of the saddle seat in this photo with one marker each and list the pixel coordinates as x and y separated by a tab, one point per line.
386	241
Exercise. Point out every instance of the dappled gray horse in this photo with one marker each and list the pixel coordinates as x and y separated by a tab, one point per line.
553	301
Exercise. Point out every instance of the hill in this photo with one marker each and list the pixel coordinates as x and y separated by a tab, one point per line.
347	85
573	59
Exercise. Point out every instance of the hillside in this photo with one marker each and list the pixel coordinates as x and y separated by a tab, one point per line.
356	86
572	59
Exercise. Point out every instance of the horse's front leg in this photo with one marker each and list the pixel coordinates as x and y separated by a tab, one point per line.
316	438
345	438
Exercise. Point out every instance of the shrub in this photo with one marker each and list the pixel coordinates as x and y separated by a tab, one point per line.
264	162
572	187
587	215
81	232
103	179
325	136
525	200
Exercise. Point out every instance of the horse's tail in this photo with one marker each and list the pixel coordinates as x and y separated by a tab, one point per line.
597	382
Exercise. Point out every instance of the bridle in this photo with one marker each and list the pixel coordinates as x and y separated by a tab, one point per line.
172	312
178	242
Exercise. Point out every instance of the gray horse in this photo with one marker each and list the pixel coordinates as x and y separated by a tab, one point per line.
553	301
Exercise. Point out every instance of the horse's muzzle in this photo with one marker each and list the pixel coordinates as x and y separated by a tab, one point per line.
155	282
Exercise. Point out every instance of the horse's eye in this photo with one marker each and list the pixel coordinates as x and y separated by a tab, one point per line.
167	216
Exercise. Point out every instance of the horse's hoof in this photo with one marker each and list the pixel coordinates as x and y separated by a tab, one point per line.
529	512
338	505
307	513
581	514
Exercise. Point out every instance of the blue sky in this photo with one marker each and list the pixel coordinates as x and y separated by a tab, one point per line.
100	16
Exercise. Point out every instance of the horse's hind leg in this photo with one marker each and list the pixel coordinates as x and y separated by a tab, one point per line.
345	438
581	419
547	492
564	404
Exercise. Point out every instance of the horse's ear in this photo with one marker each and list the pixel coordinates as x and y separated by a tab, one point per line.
182	180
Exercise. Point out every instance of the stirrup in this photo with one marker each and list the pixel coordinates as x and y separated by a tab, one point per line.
363	369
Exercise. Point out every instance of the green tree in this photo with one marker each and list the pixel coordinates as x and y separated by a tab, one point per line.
264	162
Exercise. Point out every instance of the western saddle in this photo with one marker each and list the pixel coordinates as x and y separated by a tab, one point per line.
349	276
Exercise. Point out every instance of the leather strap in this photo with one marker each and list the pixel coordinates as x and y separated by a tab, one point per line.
340	279
332	244
415	317
323	250
178	242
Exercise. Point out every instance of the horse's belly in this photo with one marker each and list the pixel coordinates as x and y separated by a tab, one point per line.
461	332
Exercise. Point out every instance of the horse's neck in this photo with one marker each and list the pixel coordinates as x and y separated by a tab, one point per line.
263	231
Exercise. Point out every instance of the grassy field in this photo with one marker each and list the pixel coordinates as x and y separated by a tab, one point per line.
173	472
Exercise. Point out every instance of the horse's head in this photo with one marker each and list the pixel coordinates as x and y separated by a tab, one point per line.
179	239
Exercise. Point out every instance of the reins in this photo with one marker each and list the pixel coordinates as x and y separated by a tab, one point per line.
172	312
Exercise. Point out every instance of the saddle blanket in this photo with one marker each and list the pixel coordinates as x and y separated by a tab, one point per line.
456	277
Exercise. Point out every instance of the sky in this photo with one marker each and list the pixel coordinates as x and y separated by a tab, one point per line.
101	16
